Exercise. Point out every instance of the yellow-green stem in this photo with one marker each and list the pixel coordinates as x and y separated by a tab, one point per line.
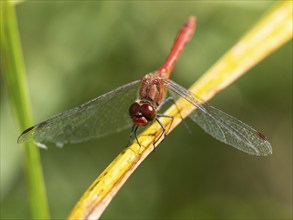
13	70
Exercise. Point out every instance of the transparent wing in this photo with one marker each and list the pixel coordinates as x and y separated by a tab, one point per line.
103	115
223	126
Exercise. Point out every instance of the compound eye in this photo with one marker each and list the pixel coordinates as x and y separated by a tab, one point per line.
148	111
134	109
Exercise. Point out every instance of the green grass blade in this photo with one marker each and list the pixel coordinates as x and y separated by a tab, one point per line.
14	74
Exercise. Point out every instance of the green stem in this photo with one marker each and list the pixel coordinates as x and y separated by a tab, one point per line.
14	75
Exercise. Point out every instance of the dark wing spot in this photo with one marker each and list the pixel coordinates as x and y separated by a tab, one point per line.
27	130
42	124
261	135
24	132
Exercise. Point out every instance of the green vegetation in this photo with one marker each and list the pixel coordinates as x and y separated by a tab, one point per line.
75	51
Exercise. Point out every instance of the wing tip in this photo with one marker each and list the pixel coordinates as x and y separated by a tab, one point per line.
266	150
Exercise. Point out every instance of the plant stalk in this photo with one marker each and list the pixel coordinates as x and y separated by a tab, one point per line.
13	69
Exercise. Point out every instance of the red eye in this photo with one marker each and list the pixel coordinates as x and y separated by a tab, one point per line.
148	111
134	109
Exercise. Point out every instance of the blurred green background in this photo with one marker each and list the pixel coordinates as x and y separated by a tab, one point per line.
75	51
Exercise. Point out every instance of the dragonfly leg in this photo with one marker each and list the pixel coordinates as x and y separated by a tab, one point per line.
135	135
133	131
130	135
165	116
164	132
170	98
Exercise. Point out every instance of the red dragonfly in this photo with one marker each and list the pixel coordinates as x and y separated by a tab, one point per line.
110	112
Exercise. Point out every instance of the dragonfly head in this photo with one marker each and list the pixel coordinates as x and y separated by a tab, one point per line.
142	113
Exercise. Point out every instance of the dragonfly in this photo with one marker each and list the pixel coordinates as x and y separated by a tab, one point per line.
137	104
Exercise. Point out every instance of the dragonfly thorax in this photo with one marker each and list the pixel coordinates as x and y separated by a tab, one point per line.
142	112
152	89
